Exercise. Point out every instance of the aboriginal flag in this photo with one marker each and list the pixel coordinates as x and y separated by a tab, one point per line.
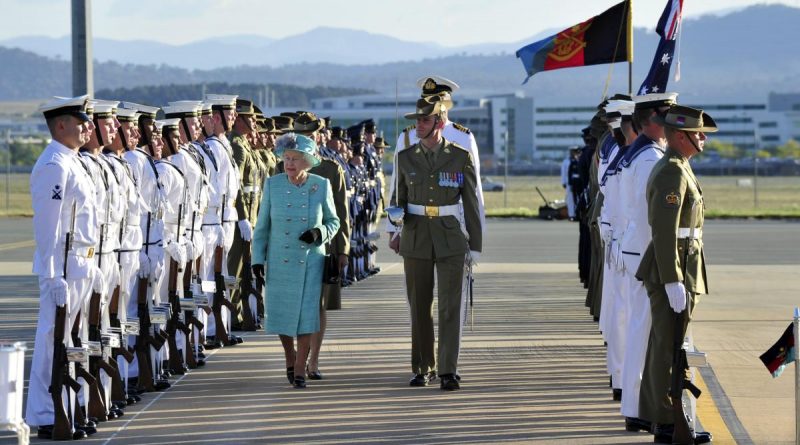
606	38
781	353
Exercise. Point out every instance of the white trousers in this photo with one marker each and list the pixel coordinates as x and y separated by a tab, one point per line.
39	408
637	333
614	332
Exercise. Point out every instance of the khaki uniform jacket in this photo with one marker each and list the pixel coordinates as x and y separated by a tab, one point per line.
441	236
333	172
671	191
249	174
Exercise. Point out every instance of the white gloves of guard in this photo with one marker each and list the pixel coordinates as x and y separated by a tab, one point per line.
676	292
98	280
145	268
473	257
176	252
245	230
606	233
56	288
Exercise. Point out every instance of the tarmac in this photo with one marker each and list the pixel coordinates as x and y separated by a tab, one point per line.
532	361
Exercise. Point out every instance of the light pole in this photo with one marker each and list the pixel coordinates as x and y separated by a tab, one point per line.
505	167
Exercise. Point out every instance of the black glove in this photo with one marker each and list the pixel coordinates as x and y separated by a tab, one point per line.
258	271
310	236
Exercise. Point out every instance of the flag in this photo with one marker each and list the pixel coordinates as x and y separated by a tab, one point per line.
668	27
781	353
605	38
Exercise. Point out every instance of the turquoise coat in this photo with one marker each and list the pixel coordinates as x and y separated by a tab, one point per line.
293	268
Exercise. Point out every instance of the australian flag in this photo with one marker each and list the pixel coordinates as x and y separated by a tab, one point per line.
668	27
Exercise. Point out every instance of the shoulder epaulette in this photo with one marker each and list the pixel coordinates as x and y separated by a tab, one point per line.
461	128
454	145
409	128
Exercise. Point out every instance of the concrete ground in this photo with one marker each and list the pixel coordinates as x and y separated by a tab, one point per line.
533	365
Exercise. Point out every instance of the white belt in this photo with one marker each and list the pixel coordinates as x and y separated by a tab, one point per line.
249	189
431	211
684	232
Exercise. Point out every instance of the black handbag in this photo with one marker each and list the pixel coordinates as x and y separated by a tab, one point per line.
330	270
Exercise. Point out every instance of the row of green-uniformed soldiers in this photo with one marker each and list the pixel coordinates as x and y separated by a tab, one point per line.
143	231
641	251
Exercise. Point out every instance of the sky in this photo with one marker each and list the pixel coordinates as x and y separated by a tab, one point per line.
447	22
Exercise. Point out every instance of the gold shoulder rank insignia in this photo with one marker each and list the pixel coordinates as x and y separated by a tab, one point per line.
410	127
461	128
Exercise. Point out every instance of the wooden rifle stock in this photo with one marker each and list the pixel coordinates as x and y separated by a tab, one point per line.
248	321
219	300
62	426
175	356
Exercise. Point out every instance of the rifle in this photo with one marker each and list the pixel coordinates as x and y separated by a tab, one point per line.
682	434
188	315
60	373
222	335
175	356
145	338
246	289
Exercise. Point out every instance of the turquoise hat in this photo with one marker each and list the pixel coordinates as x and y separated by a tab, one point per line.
299	143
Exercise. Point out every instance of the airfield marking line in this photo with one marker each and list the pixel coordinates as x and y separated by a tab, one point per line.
17	245
710	415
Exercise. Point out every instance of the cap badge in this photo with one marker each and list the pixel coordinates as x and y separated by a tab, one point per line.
429	85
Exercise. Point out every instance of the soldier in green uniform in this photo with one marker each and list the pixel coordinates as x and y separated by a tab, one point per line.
243	127
674	201
432	175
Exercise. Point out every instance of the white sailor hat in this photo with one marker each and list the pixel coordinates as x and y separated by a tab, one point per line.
182	108
623	107
222	101
127	115
434	84
205	107
655	100
59	106
104	108
157	126
144	110
170	124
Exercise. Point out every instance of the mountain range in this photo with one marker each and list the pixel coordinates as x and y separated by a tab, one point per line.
738	57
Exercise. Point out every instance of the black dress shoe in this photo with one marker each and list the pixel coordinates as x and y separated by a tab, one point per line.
663	434
201	355
89	430
46	432
161	385
131	400
237	338
449	382
200	362
313	375
299	382
635	424
422	379
616	394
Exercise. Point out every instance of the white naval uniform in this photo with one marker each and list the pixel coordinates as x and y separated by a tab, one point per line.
602	173
613	307
221	147
145	174
57	182
633	185
213	234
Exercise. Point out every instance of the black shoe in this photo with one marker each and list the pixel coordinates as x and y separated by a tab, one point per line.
201	355
89	430
200	362
313	375
616	394
422	379
299	382
635	424
161	385
663	434
213	345
131	400
448	382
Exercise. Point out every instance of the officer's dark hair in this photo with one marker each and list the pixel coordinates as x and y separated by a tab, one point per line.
145	135
641	117
620	137
52	122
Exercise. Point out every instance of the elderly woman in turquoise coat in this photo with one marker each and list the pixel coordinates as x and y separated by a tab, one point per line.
296	218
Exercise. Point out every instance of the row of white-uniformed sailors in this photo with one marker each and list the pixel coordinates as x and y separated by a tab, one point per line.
137	202
623	173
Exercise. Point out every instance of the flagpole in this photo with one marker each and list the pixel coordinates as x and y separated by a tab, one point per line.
630	49
796	377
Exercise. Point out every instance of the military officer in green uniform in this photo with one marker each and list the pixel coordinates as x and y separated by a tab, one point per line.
432	176
674	202
243	127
